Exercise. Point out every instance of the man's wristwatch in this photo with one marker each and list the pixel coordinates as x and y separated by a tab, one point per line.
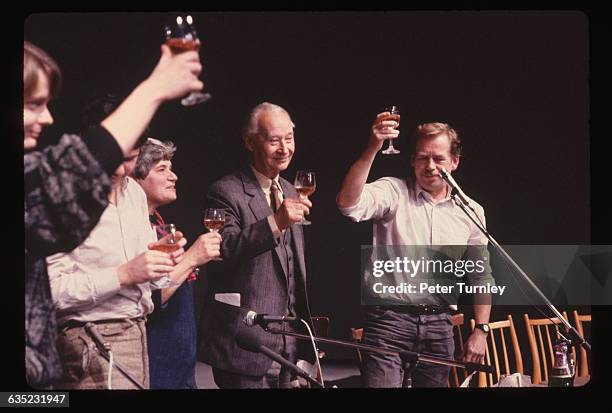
484	327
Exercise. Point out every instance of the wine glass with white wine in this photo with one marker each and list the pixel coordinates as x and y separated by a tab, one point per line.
181	36
214	220
394	114
305	185
167	233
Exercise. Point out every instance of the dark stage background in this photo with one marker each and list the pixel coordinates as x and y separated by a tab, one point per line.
514	84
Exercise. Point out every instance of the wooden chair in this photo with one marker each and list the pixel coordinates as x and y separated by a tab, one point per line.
456	378
357	336
497	337
541	345
583	360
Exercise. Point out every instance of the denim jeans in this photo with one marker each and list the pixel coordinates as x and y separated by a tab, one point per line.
431	334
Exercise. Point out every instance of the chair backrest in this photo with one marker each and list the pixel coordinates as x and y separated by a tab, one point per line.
457	377
583	359
540	335
320	325
357	336
496	344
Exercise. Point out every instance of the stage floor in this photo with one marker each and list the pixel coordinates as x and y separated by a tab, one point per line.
344	374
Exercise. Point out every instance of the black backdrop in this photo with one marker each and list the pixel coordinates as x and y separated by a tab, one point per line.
514	84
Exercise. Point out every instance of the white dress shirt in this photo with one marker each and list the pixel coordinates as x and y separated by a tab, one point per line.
84	282
404	214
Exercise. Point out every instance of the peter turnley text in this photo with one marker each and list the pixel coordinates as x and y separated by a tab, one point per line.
421	288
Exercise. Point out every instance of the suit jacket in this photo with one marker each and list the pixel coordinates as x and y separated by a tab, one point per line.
251	267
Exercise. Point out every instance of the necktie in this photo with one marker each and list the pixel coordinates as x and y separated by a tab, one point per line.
275	196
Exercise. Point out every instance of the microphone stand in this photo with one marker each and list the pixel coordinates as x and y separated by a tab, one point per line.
289	365
574	335
104	349
409	358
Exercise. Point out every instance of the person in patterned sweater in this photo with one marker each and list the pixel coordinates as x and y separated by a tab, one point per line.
66	186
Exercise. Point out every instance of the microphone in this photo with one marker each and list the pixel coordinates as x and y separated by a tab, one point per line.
248	340
253	318
454	186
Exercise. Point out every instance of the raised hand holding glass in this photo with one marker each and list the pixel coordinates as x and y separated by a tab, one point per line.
394	114
214	220
305	185
181	36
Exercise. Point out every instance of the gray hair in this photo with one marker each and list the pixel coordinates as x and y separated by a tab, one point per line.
252	124
151	153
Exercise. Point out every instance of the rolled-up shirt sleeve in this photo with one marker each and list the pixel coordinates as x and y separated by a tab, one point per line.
73	286
378	200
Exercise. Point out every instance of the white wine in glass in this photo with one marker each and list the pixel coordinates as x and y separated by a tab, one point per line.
181	37
305	185
170	245
214	220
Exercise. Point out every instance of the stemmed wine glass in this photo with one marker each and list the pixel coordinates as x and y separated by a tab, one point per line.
394	114
214	220
305	185
170	245
181	36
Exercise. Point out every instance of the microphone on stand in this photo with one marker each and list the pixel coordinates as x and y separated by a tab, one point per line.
248	340
262	320
454	186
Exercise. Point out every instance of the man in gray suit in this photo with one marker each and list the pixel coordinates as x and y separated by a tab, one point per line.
263	256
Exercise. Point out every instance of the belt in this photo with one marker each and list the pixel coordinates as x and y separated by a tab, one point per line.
79	324
421	309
